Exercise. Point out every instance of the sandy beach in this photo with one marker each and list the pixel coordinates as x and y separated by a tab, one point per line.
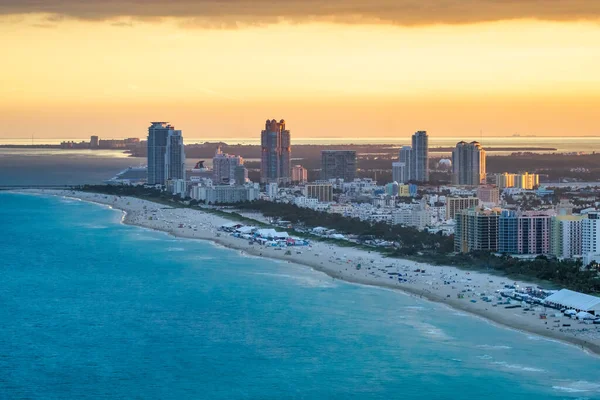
436	283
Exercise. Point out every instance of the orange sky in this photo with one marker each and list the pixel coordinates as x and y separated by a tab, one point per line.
73	77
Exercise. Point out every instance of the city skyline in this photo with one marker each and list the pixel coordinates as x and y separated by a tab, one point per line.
500	69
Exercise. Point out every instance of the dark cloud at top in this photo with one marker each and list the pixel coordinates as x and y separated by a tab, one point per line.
259	12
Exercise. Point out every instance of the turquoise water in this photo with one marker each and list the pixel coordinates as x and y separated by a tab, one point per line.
91	308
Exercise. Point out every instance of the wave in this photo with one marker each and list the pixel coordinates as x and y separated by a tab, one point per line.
578	387
175	249
493	347
518	367
303	281
485	357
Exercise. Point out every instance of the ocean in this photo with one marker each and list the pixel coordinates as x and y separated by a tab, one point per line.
92	308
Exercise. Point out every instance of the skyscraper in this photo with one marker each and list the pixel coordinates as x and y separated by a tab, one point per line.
175	157
468	164
405	156
224	168
338	164
276	153
158	138
399	172
420	157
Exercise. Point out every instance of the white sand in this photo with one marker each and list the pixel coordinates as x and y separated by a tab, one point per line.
341	262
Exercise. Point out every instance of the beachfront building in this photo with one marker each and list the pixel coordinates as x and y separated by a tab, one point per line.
420	157
468	164
158	139
225	194
455	205
566	236
276	153
224	168
175	157
299	174
524	232
338	164
323	192
476	230
488	195
590	238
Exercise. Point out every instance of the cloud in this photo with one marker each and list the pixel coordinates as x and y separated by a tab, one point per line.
236	13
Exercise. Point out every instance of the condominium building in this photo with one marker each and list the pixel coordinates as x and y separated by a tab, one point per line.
476	229
276	153
320	191
241	175
566	236
526	232
299	174
468	164
489	195
399	172
175	157
420	157
525	181
224	168
166	155
455	205
225	193
338	164
590	238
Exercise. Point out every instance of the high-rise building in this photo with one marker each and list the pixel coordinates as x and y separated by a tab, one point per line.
299	174
420	157
241	175
158	140
468	164
590	238
565	236
405	155
399	172
526	232
276	153
476	230
94	142
320	191
175	157
488	194
338	164
224	167
454	205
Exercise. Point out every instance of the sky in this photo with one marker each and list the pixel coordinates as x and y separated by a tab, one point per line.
353	68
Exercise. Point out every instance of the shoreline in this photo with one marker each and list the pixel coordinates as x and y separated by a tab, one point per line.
423	286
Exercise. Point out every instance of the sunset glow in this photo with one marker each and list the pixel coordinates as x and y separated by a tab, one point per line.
111	76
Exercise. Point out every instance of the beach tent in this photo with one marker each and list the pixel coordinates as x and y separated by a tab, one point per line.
570	312
267	233
245	229
566	298
583	315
